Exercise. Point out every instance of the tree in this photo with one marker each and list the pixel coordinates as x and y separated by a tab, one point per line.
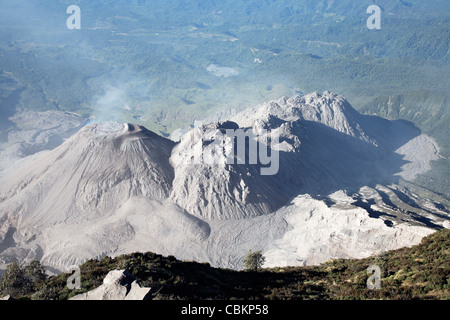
254	260
46	292
20	280
14	281
36	272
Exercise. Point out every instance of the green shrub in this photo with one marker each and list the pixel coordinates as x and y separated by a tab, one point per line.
46	292
14	281
254	260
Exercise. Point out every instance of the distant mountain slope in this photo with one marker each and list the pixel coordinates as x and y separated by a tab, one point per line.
151	58
431	112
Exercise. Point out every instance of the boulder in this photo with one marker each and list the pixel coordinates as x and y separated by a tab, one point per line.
117	285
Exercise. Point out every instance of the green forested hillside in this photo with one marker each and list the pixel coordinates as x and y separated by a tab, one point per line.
146	62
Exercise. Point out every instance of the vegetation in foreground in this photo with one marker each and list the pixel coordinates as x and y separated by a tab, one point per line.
419	272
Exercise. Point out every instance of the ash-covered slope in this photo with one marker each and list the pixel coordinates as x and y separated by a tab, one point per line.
90	175
114	188
207	186
321	144
101	191
329	109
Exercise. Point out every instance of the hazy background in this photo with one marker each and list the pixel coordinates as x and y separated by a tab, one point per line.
166	63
